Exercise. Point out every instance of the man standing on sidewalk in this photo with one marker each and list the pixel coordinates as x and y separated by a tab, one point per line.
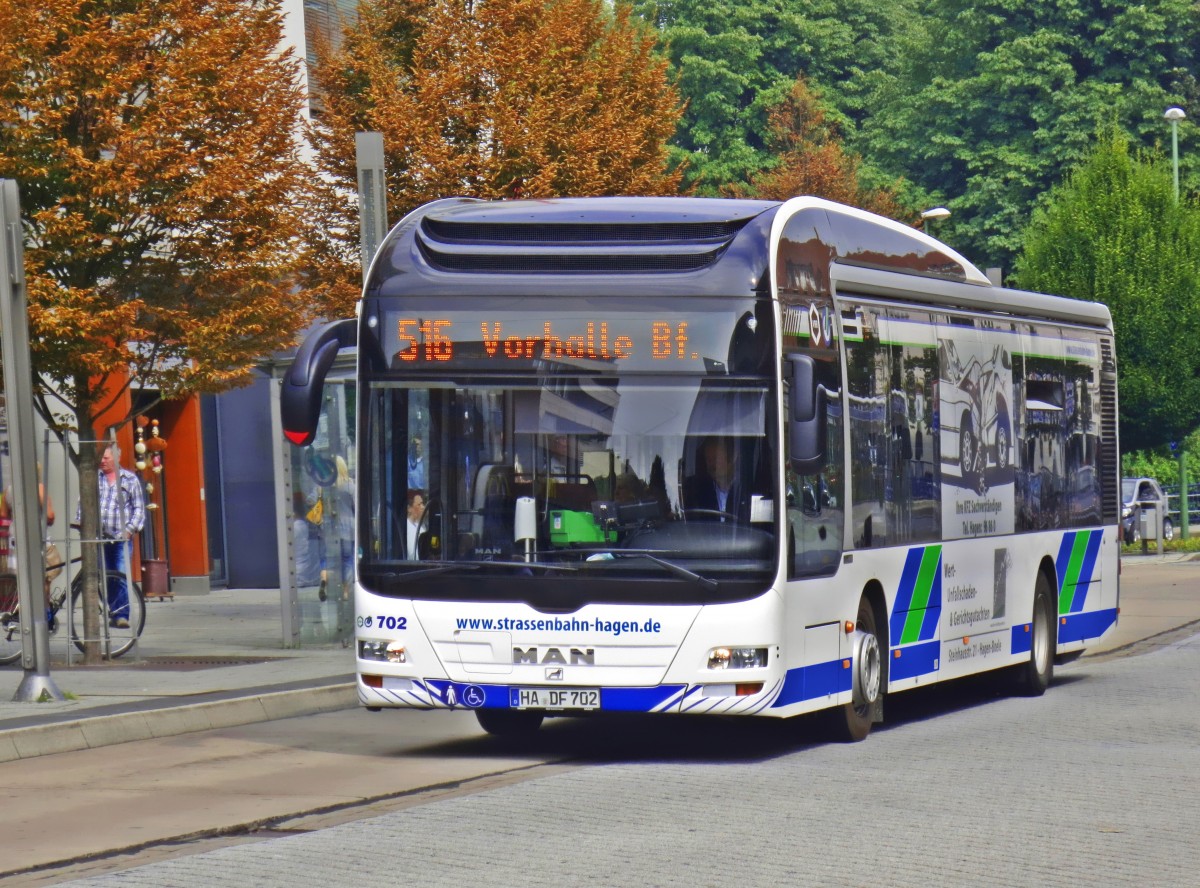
122	514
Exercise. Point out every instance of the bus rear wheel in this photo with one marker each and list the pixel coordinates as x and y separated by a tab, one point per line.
1033	676
509	722
852	722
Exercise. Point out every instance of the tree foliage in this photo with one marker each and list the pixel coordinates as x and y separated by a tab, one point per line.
809	158
1161	463
153	144
737	61
154	148
492	99
1111	232
996	99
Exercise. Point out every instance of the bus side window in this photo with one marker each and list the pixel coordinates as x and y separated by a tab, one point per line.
815	515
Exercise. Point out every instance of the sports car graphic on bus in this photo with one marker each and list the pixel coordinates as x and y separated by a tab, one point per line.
976	431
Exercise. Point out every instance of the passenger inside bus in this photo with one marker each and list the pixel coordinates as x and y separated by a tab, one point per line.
416	512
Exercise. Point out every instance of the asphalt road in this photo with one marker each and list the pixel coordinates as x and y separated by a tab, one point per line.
1091	784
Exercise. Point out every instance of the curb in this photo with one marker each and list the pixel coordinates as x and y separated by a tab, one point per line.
106	730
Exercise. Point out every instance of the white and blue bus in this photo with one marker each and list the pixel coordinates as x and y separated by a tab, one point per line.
718	457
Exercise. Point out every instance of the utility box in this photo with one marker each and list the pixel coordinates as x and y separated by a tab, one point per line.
155	582
1150	522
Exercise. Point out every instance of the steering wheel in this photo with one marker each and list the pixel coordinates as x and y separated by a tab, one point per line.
714	513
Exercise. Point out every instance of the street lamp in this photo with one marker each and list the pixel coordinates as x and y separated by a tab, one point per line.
1175	115
927	216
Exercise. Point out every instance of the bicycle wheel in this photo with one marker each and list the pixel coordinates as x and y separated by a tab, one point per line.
118	630
10	621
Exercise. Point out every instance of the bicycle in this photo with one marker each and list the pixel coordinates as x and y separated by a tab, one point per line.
115	638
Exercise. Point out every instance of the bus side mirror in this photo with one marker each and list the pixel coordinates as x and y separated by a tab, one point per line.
806	416
304	382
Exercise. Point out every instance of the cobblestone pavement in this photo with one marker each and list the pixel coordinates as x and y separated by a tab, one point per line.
1093	784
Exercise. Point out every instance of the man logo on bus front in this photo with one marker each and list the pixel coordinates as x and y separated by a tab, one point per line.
814	323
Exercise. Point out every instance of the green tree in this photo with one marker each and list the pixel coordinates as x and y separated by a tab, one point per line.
155	149
493	99
996	99
736	61
1111	232
1159	463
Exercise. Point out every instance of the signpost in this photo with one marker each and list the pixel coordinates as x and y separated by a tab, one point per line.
36	686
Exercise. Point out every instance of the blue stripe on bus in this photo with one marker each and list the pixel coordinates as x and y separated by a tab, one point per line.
636	699
918	599
1081	583
917	659
810	682
1063	559
1077	627
1022	638
904	594
1087	572
499	696
932	614
495	695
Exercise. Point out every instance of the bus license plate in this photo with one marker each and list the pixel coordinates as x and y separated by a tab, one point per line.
554	698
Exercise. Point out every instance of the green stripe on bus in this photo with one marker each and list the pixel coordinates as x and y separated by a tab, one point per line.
1074	567
921	592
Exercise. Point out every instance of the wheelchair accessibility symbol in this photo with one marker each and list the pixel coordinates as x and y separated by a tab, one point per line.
472	696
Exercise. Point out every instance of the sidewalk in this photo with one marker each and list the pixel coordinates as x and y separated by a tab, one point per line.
203	661
216	660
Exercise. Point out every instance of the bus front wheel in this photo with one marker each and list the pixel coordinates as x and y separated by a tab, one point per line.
852	722
509	722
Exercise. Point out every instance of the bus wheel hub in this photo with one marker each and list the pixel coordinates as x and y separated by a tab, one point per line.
867	669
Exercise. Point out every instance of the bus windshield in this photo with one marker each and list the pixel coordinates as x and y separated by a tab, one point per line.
638	487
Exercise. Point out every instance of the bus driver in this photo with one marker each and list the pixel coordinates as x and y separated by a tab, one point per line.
716	487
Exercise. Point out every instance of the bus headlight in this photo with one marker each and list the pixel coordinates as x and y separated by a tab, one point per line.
736	658
382	651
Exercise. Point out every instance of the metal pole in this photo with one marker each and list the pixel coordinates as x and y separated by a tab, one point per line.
289	595
1183	475
1175	156
1183	495
1175	115
37	686
372	195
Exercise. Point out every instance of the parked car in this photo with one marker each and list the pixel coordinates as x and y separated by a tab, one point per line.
1137	494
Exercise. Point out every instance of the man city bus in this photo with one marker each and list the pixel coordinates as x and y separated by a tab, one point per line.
712	457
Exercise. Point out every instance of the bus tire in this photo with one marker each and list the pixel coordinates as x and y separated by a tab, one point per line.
509	722
852	722
1034	676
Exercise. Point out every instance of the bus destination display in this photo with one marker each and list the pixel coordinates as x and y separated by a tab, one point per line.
685	342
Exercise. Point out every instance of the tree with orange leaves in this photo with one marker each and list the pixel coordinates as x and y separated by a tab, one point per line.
154	146
812	160
491	99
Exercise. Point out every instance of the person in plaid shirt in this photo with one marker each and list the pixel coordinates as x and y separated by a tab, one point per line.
122	514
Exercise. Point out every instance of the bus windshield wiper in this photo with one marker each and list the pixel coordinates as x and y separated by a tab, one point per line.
445	566
441	567
671	567
532	565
